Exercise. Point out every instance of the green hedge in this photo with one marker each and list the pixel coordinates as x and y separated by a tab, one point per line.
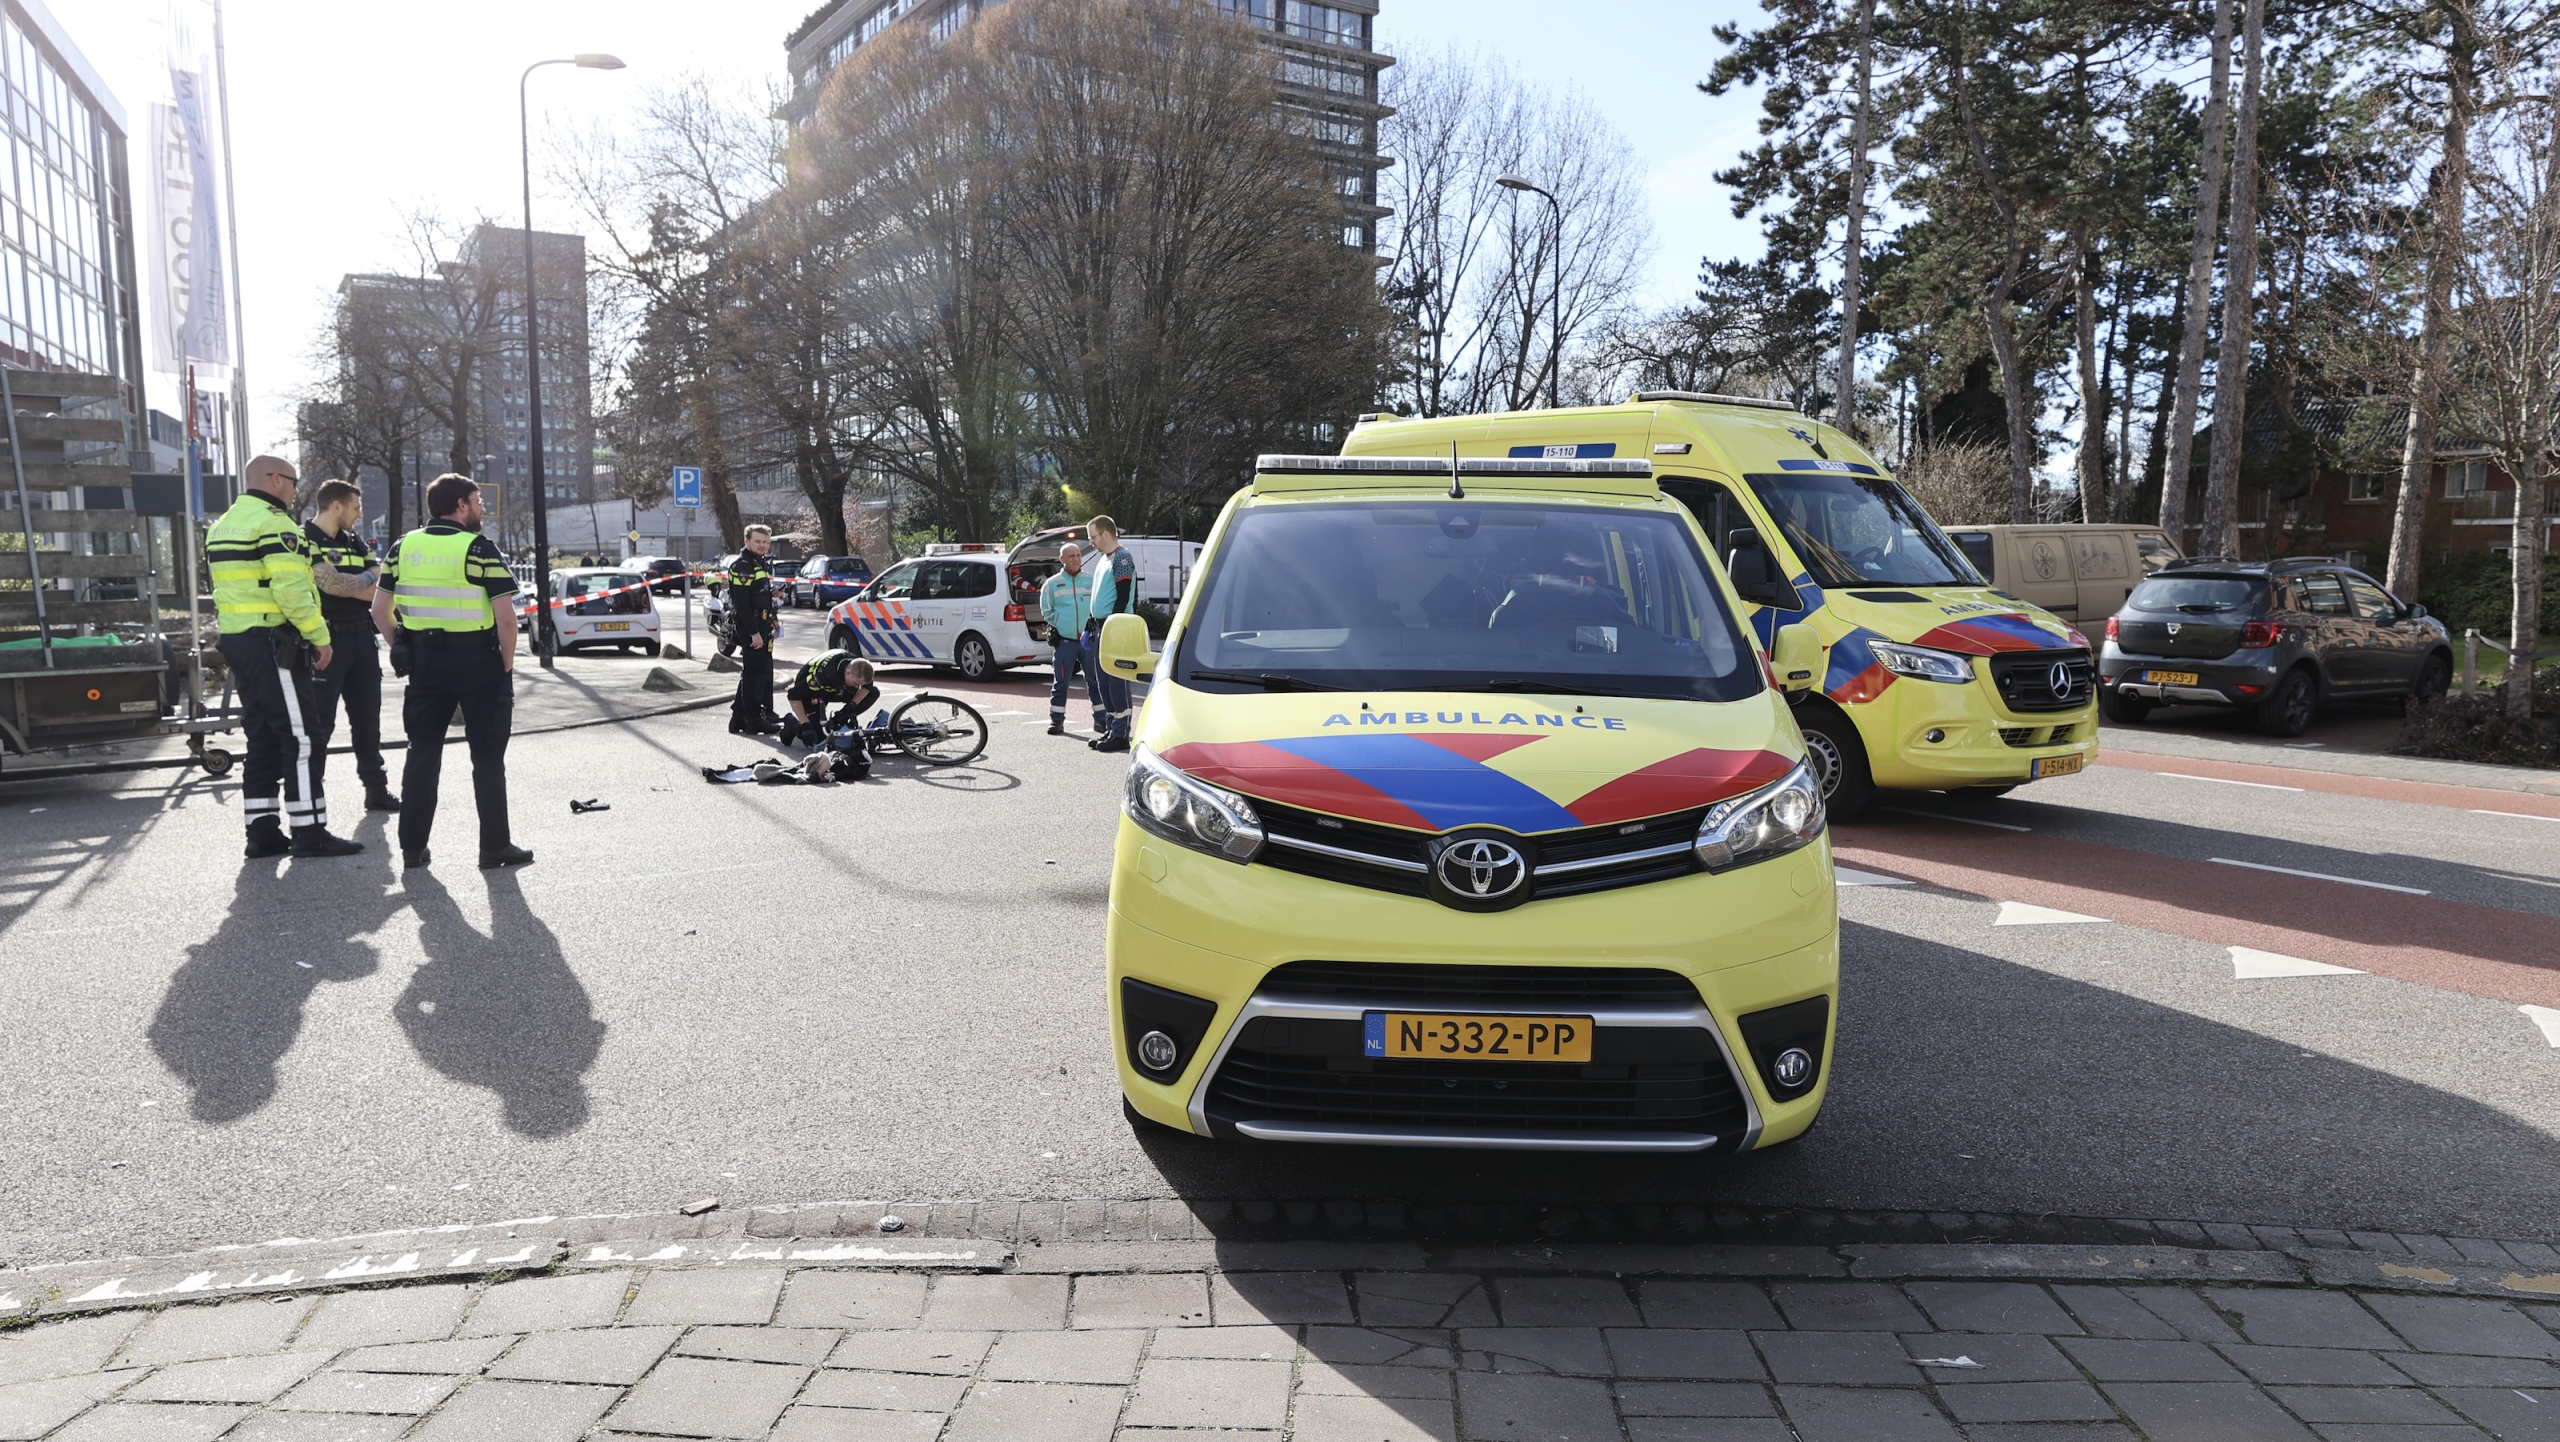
2478	590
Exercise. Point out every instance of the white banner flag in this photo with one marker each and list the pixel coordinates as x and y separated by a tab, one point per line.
192	321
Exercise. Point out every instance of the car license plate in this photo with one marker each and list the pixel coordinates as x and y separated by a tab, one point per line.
2170	678
613	625
1441	1035
2044	766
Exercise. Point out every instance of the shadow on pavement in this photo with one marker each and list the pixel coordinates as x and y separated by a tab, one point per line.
234	1007
1964	1083
501	1011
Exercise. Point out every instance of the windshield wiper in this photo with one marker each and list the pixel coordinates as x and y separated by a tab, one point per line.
1267	680
1538	688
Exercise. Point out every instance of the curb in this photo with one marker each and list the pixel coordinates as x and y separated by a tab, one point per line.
1160	1235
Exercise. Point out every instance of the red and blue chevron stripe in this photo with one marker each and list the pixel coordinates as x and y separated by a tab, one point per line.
1991	635
1437	781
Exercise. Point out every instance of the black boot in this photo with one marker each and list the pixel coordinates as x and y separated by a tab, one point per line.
418	860
316	841
266	838
504	856
378	797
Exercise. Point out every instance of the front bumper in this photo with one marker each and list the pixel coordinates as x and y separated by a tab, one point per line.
1214	930
2240	679
1926	735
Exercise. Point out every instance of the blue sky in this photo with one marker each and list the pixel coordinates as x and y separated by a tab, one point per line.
346	117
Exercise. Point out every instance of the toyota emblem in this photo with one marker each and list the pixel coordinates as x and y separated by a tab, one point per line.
2059	678
1482	869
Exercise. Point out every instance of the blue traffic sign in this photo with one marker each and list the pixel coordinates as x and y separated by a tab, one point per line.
688	485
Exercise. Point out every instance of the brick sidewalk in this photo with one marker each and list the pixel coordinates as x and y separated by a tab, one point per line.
1322	1341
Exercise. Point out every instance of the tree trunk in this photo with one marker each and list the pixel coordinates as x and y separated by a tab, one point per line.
2197	296
2093	394
394	508
2220	535
2447	192
2524	555
2013	393
2121	346
2524	547
1844	406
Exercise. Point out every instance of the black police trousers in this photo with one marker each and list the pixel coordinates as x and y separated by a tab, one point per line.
442	681
755	685
271	673
354	676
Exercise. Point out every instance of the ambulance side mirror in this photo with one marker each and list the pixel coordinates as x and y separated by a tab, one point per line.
1796	657
1124	647
1755	572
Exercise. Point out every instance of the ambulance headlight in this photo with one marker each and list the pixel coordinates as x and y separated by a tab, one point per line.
1772	821
1921	663
1188	811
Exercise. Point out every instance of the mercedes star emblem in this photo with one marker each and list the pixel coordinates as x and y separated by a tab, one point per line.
1482	869
2059	678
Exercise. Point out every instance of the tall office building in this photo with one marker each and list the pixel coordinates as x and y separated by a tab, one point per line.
67	297
568	418
1328	73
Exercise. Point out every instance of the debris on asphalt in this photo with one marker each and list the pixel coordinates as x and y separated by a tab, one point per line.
892	1224
695	1209
1946	1361
580	808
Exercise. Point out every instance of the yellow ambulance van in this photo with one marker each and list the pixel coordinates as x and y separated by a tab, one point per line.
1465	810
1930	679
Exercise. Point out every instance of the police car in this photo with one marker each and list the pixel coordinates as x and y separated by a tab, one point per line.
950	607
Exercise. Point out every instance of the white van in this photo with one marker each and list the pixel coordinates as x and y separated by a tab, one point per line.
941	610
1165	563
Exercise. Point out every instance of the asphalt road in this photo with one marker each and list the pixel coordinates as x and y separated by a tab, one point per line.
892	990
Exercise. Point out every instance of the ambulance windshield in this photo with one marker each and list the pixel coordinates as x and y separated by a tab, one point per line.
1860	531
1460	596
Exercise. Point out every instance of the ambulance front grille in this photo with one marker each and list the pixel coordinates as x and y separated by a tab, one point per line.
1564	863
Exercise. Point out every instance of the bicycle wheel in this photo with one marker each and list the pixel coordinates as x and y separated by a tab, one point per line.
938	730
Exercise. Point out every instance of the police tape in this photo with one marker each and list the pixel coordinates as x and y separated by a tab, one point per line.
526	608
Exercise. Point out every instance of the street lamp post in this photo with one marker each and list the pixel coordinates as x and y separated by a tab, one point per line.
546	636
1555	355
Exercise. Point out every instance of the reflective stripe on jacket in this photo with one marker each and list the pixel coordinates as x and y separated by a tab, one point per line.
432	589
1066	603
262	570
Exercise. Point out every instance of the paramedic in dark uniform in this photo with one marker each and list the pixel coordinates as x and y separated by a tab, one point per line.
342	566
754	625
447	605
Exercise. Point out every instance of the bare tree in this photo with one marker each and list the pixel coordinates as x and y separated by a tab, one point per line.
2196	299
2220	535
2505	345
1473	270
1844	406
1959	483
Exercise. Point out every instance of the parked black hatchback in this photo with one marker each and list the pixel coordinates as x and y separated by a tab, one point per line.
2277	637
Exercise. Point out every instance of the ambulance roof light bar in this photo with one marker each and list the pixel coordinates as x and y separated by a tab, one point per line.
1437	466
1710	399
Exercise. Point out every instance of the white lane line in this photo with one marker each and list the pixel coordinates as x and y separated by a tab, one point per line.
1851	876
1942	816
2324	876
2018	913
2516	815
2250	964
2545	1018
2225	781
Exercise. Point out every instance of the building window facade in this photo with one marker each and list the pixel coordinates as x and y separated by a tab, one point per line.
66	283
2465	478
2368	486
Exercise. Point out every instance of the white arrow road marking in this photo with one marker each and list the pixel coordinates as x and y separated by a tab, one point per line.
2250	964
2323	876
2018	913
2545	1018
1851	876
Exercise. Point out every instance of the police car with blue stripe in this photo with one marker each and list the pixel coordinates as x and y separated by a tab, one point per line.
950	607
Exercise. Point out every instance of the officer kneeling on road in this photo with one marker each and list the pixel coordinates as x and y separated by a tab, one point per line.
273	638
837	678
447	606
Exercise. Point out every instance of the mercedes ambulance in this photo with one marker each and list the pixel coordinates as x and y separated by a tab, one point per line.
1930	678
1465	811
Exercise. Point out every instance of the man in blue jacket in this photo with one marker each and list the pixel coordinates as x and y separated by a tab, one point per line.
1066	603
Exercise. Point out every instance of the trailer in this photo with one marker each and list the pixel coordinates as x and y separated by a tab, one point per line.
85	657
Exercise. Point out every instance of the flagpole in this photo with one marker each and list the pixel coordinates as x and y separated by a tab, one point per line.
239	448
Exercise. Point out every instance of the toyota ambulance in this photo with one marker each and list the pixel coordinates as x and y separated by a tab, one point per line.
1930	678
1465	810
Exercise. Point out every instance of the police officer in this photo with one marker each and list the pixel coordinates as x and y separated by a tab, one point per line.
447	605
273	638
1115	593
342	566
753	625
841	678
